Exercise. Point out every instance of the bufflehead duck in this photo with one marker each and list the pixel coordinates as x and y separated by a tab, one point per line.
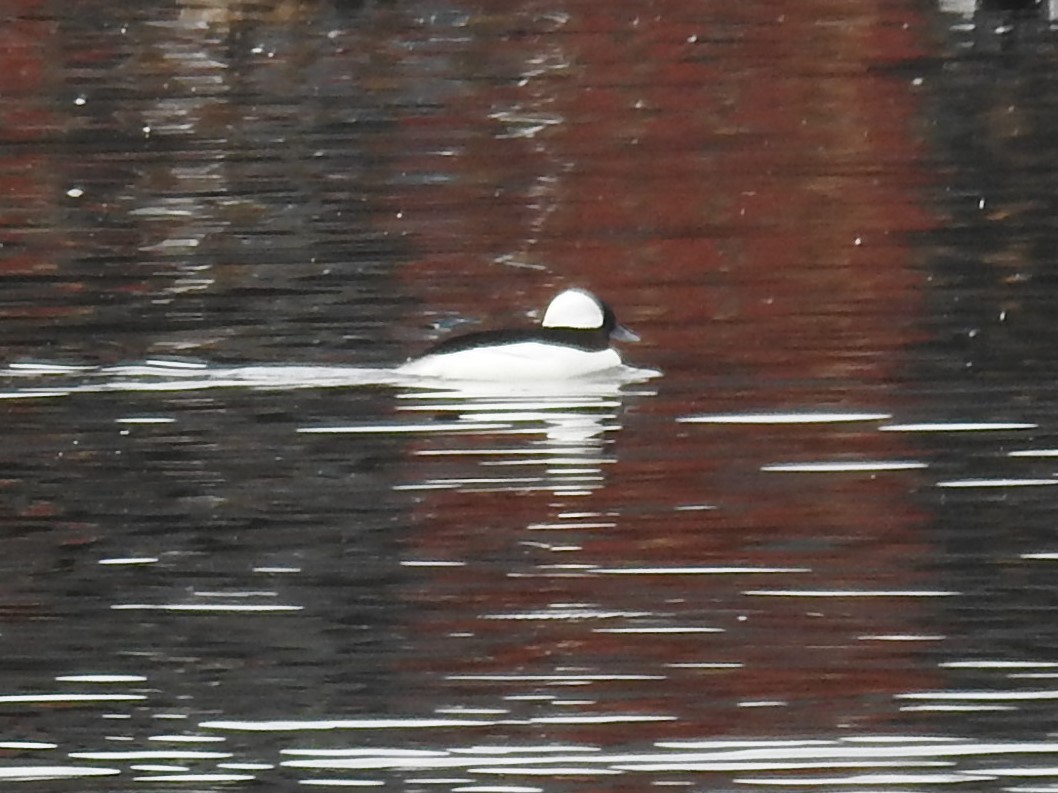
573	340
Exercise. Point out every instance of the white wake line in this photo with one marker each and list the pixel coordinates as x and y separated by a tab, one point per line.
49	380
152	376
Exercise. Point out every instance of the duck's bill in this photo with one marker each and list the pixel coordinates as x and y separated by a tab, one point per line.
621	333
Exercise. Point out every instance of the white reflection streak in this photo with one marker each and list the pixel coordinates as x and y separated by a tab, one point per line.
1049	771
710	757
567	422
659	630
388	429
783	418
195	778
707	665
872	779
396	754
530	410
128	560
41	698
507	452
999	665
579	770
982	696
572	526
567	614
486	750
152	754
591	718
340	724
870	759
561	679
971	483
187	738
846	467
276	570
888	752
850	593
205	607
700	570
101	679
936	708
35	394
959	426
31	368
43	772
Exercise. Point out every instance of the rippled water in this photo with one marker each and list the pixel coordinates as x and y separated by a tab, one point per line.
817	552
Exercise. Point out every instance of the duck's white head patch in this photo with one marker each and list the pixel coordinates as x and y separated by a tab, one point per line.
574	308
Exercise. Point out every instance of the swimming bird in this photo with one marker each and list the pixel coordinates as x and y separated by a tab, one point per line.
573	340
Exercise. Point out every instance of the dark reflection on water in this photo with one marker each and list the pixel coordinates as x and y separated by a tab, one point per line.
190	165
992	345
817	552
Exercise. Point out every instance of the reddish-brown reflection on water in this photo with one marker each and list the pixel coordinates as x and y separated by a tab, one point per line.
738	182
24	174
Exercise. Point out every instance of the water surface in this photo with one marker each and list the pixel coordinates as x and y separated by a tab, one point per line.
815	553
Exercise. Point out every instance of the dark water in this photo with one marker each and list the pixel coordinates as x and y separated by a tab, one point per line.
816	553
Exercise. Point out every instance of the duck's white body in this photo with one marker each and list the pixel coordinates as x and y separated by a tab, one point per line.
572	342
530	360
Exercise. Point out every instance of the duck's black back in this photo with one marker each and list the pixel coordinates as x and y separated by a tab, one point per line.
587	339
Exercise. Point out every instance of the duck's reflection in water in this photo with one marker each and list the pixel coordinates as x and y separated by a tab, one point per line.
551	437
508	495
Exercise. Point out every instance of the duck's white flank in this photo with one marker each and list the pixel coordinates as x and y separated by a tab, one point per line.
523	361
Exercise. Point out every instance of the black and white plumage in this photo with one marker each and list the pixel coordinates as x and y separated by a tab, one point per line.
573	340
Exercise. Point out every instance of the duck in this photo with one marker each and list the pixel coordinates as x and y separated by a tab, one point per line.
573	340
